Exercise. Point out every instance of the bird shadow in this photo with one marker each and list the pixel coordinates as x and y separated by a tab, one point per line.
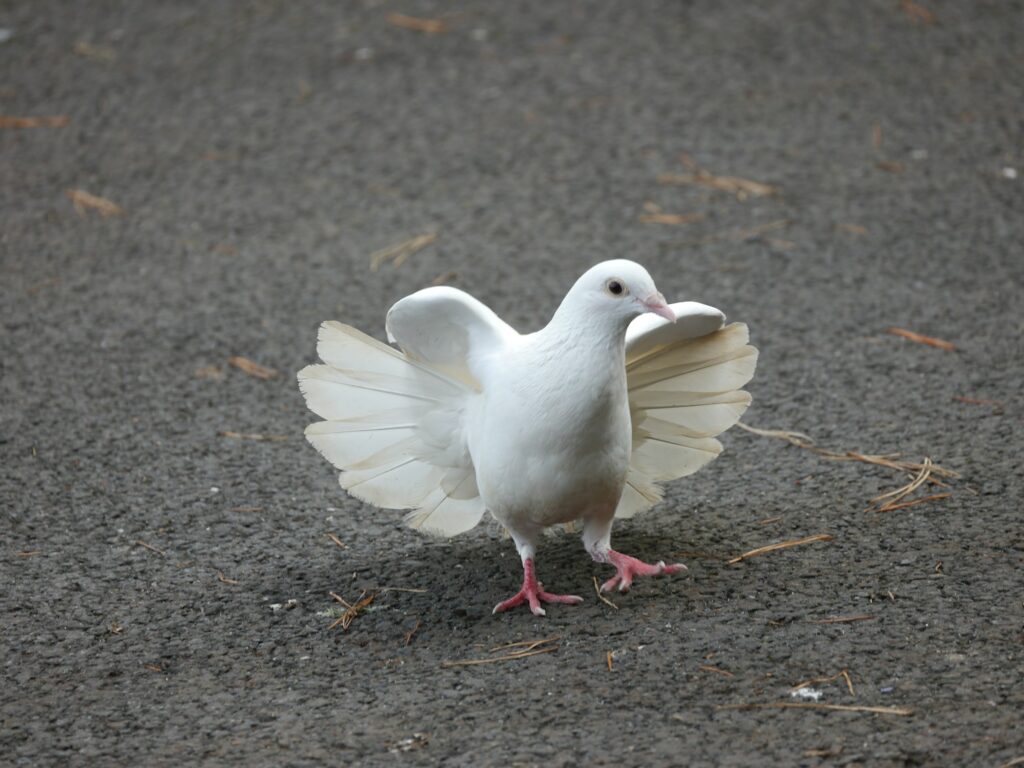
457	581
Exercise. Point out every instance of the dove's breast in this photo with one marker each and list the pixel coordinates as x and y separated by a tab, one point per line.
551	440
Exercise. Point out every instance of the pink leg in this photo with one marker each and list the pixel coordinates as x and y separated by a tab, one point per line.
533	593
629	567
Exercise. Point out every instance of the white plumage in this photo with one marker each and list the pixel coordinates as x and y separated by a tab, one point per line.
579	421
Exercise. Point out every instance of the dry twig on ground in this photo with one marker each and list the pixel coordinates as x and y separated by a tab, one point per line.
411	632
213	372
102	53
352	610
977	401
151	548
673	219
894	496
919	338
901	711
401	251
251	436
781	545
602	598
917	13
445	277
252	368
426	26
843	619
526	645
921	473
892	506
83	200
47	121
741	188
528	648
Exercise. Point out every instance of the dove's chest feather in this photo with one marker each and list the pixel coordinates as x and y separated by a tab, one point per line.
553	437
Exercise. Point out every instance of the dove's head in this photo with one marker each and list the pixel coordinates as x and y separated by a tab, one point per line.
618	290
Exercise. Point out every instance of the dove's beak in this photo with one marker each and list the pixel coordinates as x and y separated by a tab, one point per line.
656	304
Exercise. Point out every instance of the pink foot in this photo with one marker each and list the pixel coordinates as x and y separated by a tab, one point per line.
629	567
533	593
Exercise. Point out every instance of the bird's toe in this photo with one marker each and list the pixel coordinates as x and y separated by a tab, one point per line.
549	597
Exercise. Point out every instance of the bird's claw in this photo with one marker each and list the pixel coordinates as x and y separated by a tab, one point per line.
533	594
534	599
629	568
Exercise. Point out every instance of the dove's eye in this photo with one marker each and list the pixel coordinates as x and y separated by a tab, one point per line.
615	287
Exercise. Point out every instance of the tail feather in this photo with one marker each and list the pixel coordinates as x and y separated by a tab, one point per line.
400	485
394	429
330	393
640	493
451	509
360	448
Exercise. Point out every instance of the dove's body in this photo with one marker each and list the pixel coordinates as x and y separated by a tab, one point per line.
578	421
537	474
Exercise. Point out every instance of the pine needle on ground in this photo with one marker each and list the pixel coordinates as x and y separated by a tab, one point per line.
921	473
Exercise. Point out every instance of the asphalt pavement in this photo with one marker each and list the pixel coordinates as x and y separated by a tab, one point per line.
190	188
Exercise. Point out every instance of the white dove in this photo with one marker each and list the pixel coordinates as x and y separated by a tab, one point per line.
578	421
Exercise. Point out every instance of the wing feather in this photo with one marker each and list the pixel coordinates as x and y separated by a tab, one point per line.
451	330
395	422
684	386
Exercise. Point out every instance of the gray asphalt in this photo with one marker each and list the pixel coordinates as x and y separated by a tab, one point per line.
261	152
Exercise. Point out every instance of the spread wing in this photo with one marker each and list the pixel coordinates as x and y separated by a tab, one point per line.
684	383
448	329
394	420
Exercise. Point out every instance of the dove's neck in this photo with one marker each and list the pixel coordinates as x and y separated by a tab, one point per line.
576	331
582	356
